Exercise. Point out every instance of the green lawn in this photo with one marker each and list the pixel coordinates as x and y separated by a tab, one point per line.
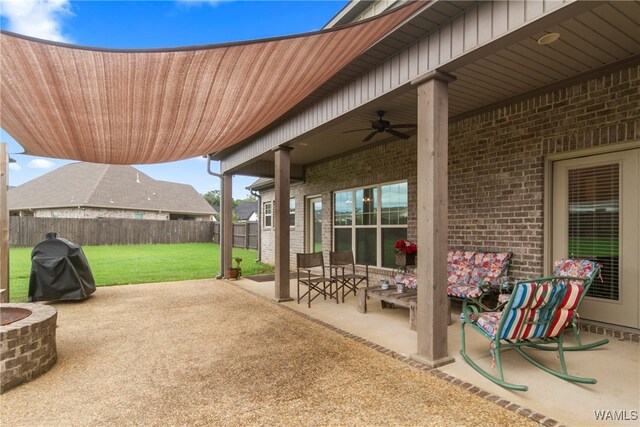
119	265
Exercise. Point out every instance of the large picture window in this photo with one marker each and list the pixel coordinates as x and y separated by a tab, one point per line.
369	221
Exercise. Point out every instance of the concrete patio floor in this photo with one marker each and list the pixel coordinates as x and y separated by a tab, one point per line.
205	352
616	366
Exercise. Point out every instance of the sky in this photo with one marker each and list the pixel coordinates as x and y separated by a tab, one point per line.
153	24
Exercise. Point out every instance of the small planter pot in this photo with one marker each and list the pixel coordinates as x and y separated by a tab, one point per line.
404	259
400	287
233	273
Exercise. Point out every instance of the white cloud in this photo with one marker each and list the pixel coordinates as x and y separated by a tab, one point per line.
40	164
14	166
37	18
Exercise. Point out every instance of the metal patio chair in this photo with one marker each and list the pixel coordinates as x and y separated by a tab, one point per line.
311	273
343	270
536	314
585	272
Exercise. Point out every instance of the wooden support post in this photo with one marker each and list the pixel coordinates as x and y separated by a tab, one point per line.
4	225
432	142
281	223
226	245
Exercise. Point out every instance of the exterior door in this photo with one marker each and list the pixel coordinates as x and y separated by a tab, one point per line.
315	225
596	216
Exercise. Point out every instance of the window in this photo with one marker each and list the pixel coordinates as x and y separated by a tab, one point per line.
369	221
138	215
292	212
268	214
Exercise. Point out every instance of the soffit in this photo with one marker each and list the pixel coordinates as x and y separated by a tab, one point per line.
151	106
605	35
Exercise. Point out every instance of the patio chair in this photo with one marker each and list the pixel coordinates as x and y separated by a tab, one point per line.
582	269
537	313
343	270
311	273
586	272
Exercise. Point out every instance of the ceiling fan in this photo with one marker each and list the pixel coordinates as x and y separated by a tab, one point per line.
381	125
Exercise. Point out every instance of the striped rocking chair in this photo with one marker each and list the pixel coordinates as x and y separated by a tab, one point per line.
586	272
536	314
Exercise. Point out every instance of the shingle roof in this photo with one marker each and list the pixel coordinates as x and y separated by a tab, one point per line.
245	210
106	186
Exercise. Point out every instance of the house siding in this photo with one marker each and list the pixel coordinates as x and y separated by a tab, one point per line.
496	167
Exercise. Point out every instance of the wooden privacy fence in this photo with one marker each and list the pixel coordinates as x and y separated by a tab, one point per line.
29	231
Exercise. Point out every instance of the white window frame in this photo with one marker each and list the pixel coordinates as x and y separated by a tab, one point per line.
379	227
292	212
266	215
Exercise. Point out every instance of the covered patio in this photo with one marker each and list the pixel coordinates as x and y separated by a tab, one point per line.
616	366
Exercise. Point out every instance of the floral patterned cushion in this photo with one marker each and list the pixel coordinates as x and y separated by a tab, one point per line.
575	268
489	321
463	291
503	298
459	266
488	266
408	279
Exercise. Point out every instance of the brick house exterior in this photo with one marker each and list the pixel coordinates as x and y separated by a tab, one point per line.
496	167
535	107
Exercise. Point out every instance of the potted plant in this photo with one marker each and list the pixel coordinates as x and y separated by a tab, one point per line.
235	272
405	254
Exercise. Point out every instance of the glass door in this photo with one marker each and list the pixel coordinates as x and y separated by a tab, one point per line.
315	225
595	216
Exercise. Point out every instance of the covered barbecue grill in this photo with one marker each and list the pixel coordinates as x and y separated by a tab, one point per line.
59	271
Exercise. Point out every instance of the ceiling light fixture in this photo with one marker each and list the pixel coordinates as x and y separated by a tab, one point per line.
548	38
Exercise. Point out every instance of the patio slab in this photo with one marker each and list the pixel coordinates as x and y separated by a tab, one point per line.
616	366
208	353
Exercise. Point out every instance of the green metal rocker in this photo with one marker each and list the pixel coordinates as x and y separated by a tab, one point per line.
535	316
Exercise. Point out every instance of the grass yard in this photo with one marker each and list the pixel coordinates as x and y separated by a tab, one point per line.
121	265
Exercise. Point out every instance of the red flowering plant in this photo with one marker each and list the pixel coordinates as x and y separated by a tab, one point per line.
406	247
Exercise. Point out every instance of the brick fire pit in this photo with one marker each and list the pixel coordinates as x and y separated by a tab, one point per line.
28	345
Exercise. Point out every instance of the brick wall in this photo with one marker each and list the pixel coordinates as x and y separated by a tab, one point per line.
496	168
89	213
496	162
28	345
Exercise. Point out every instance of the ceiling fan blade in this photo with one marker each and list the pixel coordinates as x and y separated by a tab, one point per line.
398	134
356	130
371	135
405	125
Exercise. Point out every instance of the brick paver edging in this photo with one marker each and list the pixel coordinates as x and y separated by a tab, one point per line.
527	413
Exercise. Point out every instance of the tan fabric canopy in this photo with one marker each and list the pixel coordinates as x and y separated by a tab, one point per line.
151	106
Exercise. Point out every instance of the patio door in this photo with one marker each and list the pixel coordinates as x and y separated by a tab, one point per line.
595	215
314	221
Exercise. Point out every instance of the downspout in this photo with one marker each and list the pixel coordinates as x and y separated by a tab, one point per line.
221	273
256	194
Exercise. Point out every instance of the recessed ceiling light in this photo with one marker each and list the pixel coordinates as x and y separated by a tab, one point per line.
548	38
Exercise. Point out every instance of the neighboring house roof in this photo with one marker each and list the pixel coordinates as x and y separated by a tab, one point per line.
245	210
106	186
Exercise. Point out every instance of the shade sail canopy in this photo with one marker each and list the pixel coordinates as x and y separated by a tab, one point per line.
151	106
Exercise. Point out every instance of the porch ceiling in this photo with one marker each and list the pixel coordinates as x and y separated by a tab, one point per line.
606	34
